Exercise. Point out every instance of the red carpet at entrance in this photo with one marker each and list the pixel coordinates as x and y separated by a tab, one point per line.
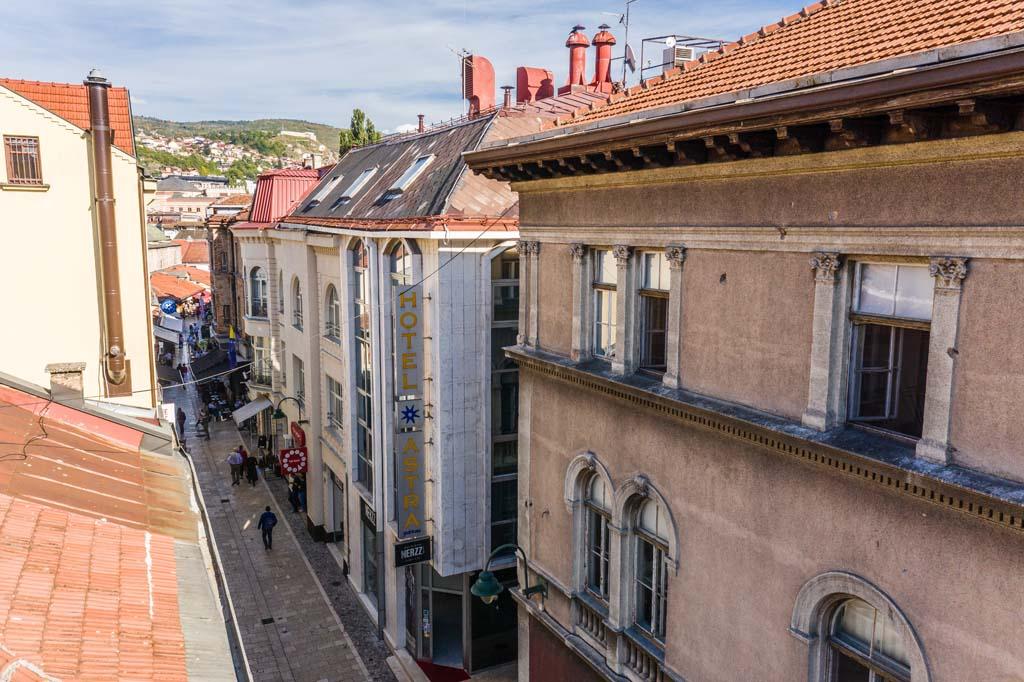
440	673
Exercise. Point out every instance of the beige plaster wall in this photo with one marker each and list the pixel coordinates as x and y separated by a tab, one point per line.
50	258
747	326
555	296
987	427
754	527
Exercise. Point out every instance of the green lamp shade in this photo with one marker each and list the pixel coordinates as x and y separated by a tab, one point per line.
279	414
487	587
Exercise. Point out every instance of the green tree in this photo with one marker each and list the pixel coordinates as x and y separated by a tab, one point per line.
360	132
241	170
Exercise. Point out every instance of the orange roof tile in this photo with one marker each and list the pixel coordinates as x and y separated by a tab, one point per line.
233	200
194	250
71	102
169	286
193	274
822	37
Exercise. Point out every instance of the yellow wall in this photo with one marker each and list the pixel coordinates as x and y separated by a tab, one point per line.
53	300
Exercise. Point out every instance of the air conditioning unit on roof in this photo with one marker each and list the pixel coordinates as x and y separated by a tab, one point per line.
675	56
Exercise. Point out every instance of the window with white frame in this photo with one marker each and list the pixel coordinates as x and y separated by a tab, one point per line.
332	314
261	366
654	291
354	188
324	190
410	175
865	646
334	405
300	380
360	259
296	303
605	281
650	580
258	293
597	516
891	319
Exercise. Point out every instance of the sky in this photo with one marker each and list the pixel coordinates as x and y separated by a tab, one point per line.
316	60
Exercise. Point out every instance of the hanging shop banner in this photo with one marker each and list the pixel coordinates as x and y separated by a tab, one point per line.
412	552
294	460
411	508
298	435
409	343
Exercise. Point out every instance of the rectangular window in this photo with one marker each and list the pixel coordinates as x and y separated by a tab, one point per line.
334	405
651	587
354	188
261	370
413	172
23	164
654	311
597	552
323	192
605	281
504	399
300	380
891	331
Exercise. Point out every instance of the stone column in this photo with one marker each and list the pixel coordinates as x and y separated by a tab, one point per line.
580	304
534	293
618	616
824	392
949	274
524	290
626	358
676	255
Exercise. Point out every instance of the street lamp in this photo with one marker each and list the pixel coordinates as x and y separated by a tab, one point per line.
279	413
488	588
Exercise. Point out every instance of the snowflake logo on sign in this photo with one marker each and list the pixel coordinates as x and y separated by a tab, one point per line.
410	415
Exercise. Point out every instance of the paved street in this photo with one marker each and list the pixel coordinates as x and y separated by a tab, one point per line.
289	630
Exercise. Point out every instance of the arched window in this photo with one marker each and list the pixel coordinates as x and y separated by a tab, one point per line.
332	314
400	264
651	530
866	646
597	515
296	303
258	293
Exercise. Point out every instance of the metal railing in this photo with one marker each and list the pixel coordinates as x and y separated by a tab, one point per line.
258	308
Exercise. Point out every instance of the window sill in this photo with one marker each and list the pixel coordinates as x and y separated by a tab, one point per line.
12	187
885	433
643	640
593	603
333	339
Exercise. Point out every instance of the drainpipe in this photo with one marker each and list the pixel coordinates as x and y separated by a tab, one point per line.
115	365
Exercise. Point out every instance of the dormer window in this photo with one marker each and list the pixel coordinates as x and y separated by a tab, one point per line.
324	191
355	187
410	175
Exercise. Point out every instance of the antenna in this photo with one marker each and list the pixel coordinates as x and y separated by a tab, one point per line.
628	57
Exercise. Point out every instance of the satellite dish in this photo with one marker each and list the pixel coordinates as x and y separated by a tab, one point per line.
670	41
630	59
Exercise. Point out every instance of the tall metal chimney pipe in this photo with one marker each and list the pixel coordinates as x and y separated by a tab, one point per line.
507	102
422	126
115	364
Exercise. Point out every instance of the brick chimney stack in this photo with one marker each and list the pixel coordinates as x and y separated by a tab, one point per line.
421	127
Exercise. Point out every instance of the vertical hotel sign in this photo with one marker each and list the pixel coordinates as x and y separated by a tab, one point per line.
409	414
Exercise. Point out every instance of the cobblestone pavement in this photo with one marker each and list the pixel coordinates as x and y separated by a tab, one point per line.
289	630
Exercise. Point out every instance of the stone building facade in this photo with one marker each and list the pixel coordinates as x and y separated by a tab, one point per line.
770	371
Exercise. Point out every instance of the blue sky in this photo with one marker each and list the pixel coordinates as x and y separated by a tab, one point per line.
317	59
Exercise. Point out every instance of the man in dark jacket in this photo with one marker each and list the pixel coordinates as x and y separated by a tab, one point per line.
267	522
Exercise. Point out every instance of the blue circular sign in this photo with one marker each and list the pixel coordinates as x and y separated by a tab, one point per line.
169	306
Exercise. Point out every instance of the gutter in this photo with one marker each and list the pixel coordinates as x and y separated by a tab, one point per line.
767	101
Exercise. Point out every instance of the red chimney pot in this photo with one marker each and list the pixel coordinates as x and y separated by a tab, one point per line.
603	41
577	43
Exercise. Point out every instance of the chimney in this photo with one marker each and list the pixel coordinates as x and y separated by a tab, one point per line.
533	84
577	43
116	368
66	381
478	83
507	101
603	41
421	126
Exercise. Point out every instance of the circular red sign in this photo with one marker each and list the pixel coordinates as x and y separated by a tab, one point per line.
294	460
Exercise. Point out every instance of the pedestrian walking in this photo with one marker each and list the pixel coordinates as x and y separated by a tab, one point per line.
293	497
235	460
179	417
252	470
267	522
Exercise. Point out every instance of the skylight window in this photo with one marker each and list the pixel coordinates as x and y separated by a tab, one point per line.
417	167
354	188
324	191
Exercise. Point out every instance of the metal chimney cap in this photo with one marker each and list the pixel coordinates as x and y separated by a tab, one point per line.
578	28
96	76
603	27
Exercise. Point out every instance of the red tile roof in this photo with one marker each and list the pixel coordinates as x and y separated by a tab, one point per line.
233	200
822	37
278	191
71	102
451	223
194	250
197	275
169	286
88	524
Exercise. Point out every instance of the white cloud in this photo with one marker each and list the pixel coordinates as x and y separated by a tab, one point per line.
319	59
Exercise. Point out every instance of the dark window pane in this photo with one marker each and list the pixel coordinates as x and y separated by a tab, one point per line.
503	500
873	391
503	534
505	458
506	302
876	343
500	338
849	670
644	584
655	318
505	403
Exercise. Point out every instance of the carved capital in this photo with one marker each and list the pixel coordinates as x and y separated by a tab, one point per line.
528	248
948	271
641	486
676	255
826	265
622	253
578	250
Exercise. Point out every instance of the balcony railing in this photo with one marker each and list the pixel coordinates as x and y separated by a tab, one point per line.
591	622
644	665
262	373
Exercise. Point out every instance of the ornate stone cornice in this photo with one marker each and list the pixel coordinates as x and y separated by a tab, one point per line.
985	498
622	253
578	250
676	255
826	265
949	272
